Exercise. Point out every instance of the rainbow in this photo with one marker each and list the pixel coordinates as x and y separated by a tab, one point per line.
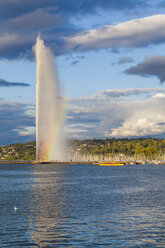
56	131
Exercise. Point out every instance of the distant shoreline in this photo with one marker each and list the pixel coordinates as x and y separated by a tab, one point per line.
16	162
35	162
71	162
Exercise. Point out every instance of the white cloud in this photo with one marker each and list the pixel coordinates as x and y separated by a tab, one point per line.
159	95
134	33
120	94
149	126
26	131
97	116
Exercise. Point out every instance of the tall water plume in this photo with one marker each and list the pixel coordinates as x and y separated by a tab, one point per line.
49	107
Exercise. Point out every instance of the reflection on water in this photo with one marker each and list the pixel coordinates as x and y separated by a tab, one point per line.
48	202
82	206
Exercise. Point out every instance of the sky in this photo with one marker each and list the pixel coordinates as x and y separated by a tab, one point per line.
110	58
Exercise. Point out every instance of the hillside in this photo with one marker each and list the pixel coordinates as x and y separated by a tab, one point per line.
25	151
143	148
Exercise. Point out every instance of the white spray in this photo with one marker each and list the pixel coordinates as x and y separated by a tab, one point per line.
49	109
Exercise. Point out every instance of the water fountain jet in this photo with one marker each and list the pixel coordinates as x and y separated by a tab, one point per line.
49	107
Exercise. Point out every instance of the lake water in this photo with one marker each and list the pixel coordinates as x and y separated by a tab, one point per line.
82	206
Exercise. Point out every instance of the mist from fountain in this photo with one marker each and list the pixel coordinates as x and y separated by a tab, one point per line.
50	142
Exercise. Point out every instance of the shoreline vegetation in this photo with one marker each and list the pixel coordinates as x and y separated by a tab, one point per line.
130	151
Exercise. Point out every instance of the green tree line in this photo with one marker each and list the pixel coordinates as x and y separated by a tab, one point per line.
149	148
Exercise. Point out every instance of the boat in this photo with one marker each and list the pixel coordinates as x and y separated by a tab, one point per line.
111	163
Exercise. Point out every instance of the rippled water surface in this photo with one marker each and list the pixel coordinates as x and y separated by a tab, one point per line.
82	206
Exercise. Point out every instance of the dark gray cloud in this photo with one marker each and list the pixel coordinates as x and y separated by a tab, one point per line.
130	92
14	118
75	62
33	21
14	8
81	57
4	83
152	66
123	60
75	59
